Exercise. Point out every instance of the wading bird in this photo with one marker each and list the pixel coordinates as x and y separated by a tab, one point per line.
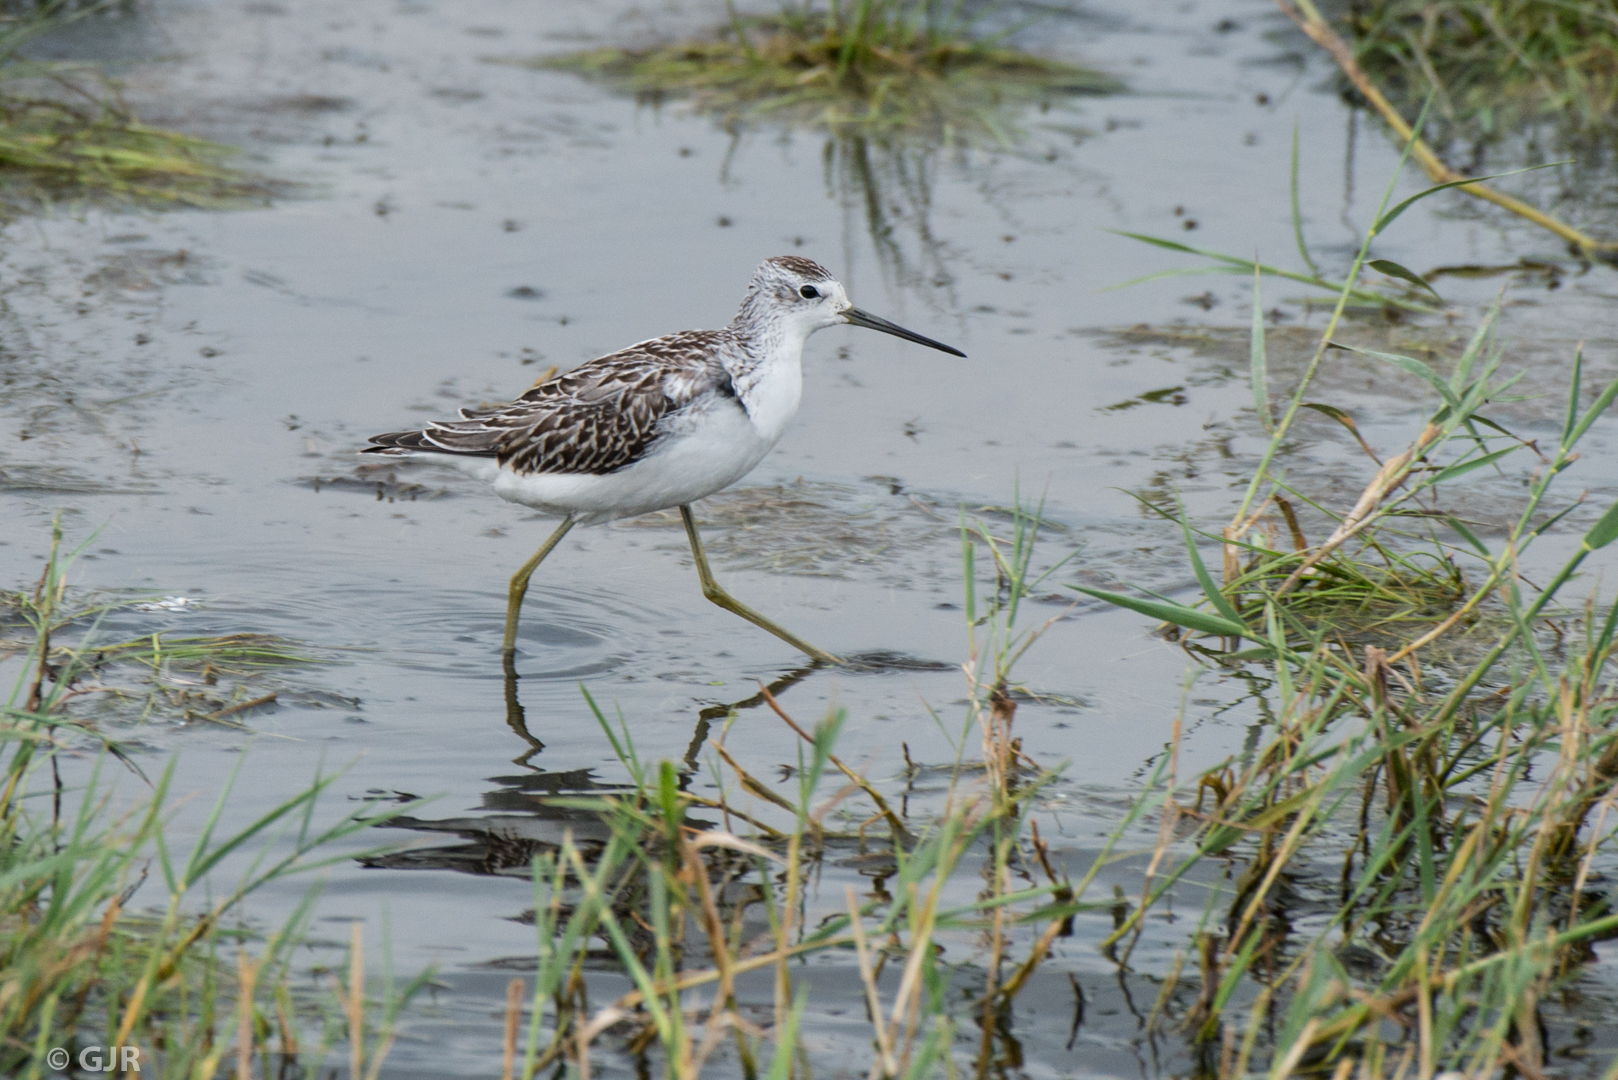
659	424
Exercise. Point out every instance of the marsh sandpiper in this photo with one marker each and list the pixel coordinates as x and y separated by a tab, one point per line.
657	425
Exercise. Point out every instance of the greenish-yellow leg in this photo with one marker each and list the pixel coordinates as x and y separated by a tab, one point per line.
711	589
519	584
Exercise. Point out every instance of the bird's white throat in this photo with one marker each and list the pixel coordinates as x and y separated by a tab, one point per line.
772	386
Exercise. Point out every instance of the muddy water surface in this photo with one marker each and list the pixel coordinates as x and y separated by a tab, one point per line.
195	386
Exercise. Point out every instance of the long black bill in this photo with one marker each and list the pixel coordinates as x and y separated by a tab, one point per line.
855	317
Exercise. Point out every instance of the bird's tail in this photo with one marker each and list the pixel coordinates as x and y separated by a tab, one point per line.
399	443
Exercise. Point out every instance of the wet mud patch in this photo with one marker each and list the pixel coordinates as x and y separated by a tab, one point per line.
882	662
87	366
61	480
144	270
382	483
506	841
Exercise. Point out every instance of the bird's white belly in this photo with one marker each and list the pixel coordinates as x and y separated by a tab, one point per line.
707	453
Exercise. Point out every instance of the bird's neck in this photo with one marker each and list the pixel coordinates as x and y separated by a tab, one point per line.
767	371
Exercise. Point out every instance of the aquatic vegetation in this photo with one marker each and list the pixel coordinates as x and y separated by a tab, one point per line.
1416	841
215	678
708	919
51	151
852	67
891	84
1414	861
65	135
1383	565
1310	20
181	983
1495	62
1399	290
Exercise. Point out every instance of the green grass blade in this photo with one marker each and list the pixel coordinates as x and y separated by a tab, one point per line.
1258	363
1297	209
1412	365
1392	215
1232	264
1462	468
1346	420
1574	382
1393	269
1467	534
1180	271
1210	588
1604	531
1596	410
1178	614
786	1042
1474	348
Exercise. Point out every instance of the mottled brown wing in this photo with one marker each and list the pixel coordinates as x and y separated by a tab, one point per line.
597	418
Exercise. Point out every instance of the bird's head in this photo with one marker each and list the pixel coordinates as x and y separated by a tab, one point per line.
799	295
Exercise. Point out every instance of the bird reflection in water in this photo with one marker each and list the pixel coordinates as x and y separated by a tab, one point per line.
520	819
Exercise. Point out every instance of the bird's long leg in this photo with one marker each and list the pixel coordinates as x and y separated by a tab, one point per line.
516	718
711	589
519	584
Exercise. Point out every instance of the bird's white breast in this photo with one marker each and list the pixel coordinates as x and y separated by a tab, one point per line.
772	389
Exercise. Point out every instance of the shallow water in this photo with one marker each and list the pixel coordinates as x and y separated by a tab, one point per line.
194	386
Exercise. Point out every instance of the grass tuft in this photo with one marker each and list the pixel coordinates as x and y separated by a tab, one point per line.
66	135
710	921
1418	836
51	151
864	67
114	933
1495	63
157	675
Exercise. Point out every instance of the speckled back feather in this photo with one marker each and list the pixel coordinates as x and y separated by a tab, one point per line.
597	418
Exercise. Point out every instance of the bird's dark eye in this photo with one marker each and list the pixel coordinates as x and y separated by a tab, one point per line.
809	292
